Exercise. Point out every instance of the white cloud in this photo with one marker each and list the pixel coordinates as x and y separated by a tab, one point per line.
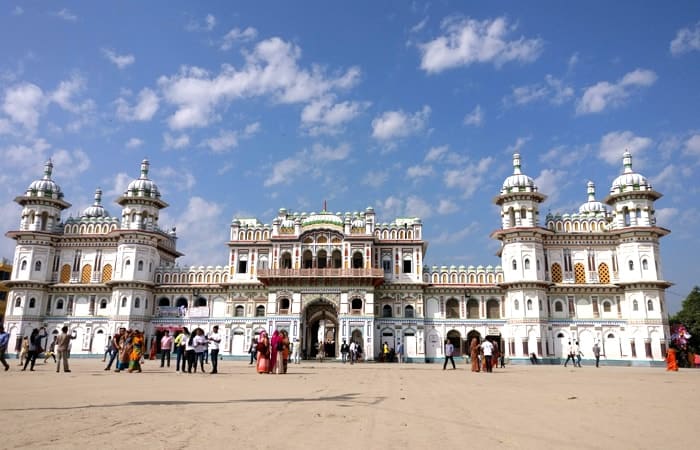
453	237
436	153
573	61
251	129
447	206
18	11
121	61
23	103
420	25
553	89
284	172
134	143
687	39
144	109
603	94
419	171
518	145
207	24
65	93
22	161
323	116
201	228
226	140
119	184
665	216
170	178
470	177
563	156
475	118
375	178
270	69
467	41
692	145
551	182
398	124
614	144
417	207
172	142
5	127
70	164
320	153
66	15
238	35
412	206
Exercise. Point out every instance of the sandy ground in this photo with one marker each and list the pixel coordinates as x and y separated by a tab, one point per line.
338	406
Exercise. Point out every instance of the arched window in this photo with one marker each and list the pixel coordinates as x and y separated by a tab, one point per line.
32	302
630	263
18	302
139	266
650	305
284	305
407	264
322	259
515	265
240	311
181	302
137	302
23	266
452	309
260	311
59	304
529	304
357	260
103	303
37	266
526	264
635	305
558	306
386	311
606	306
201	301
408	311
493	311
307	260
337	259
164	301
285	261
123	302
645	264
356	304
516	305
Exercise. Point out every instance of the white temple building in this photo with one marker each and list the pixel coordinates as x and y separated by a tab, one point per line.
594	275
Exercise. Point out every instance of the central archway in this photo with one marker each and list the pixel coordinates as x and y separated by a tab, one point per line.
320	329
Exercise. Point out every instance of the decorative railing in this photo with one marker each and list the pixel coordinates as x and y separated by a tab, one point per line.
316	273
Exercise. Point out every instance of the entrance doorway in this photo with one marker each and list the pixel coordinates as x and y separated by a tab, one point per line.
359	341
320	329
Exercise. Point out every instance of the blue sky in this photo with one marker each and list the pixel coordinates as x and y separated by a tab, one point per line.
412	108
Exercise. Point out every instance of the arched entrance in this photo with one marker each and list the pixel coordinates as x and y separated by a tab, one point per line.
471	335
320	329
359	341
455	339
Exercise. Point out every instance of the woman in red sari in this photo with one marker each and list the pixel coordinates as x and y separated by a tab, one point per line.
263	349
274	343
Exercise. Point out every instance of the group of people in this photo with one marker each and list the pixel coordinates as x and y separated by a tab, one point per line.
574	354
350	351
485	356
33	346
272	354
191	349
126	347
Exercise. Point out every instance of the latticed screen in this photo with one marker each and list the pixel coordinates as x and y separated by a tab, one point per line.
107	273
556	273
86	274
580	273
65	273
603	273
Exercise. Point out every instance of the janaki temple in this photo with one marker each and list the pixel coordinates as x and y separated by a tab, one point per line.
592	276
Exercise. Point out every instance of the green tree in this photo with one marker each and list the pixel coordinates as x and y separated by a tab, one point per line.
689	315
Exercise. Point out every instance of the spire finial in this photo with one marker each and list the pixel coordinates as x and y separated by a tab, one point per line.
144	168
591	191
627	161
98	197
48	169
516	163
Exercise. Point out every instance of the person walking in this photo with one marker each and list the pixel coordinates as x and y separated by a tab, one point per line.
180	349
166	343
487	350
4	339
571	355
353	352
200	348
114	348
596	353
214	339
344	350
253	350
62	344
34	347
296	351
399	352
579	355
474	355
24	350
449	349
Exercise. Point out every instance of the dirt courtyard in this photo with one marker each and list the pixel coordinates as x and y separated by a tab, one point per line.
331	405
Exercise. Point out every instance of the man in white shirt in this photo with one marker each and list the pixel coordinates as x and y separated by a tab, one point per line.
487	349
449	349
572	355
214	341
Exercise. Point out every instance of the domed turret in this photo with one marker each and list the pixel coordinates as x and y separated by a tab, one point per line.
518	182
629	180
141	202
96	210
45	187
143	186
592	206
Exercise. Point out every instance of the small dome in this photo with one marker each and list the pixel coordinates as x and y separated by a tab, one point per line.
358	223
96	210
518	182
629	180
45	187
592	206
142	186
322	218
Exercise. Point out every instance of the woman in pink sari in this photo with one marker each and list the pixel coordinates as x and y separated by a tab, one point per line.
263	349
274	343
